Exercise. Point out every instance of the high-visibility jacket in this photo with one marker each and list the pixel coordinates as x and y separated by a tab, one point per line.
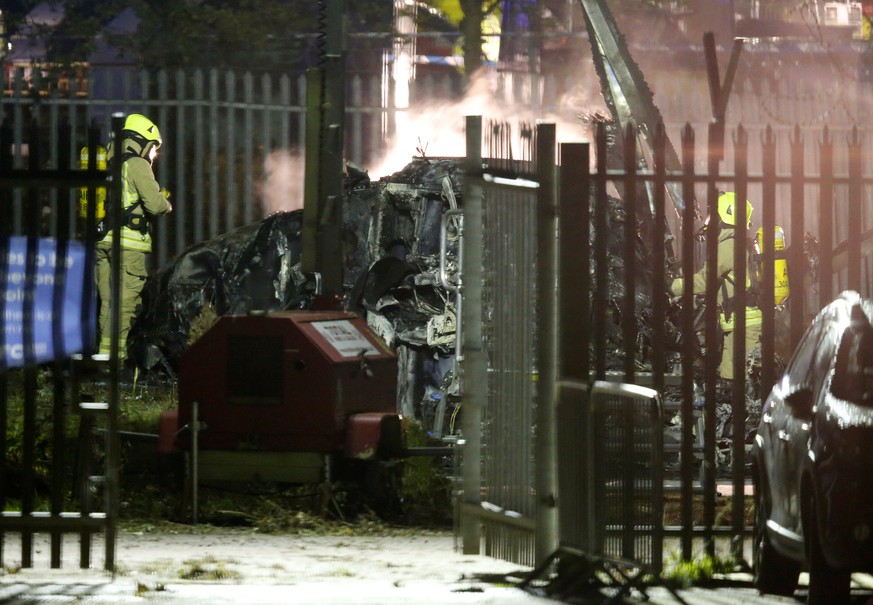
141	198
100	194
725	274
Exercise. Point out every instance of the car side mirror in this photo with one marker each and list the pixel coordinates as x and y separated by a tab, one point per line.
800	402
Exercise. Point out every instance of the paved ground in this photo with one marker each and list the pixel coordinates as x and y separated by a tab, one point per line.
243	567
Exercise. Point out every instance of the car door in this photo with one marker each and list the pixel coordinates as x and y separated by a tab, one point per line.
781	441
798	420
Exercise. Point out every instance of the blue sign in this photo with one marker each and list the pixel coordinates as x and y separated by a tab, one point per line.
55	335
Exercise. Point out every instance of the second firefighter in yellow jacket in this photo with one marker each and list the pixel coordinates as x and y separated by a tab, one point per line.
727	239
142	198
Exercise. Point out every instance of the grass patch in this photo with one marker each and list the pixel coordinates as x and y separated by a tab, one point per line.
142	590
698	571
10	570
426	489
207	569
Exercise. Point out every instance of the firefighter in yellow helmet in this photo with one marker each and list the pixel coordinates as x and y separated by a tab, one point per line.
141	199
727	238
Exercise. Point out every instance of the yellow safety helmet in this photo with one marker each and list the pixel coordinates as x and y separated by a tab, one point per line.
144	129
727	206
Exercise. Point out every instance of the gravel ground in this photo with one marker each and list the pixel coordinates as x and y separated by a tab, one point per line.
210	566
243	566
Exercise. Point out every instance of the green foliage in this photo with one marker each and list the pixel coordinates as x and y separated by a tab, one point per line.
74	40
255	35
140	407
43	419
227	34
202	323
699	571
139	412
426	490
144	501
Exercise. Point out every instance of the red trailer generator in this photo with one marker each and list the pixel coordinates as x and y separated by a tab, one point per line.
282	396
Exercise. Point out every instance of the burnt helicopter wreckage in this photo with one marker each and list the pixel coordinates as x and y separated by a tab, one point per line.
391	247
392	242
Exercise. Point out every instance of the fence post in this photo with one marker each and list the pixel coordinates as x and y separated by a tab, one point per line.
546	478
855	202
659	254
768	223
826	220
711	358
738	394
230	186
5	224
574	266
797	258
474	391
689	214
601	243
628	314
199	168
113	443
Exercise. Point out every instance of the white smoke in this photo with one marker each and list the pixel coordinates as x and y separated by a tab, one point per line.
282	187
430	130
437	129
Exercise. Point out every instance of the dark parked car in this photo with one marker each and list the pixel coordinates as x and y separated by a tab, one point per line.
812	461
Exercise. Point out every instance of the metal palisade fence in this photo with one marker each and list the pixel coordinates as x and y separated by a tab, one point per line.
223	135
233	142
577	289
48	310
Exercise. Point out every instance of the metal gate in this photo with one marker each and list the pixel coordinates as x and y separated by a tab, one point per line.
610	443
53	482
627	489
505	256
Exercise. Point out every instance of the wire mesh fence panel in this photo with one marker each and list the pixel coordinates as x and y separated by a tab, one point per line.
627	434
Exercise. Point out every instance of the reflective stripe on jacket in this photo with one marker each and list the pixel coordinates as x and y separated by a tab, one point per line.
754	317
140	190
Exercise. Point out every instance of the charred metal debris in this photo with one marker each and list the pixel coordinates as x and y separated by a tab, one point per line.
391	262
391	256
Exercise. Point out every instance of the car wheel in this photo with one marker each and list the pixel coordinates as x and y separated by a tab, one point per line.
827	586
773	572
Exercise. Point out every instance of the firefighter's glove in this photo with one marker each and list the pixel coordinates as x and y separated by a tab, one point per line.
165	193
677	287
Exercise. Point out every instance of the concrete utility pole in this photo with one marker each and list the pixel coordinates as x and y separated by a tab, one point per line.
325	133
548	242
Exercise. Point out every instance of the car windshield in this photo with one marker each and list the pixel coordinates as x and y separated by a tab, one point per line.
853	372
